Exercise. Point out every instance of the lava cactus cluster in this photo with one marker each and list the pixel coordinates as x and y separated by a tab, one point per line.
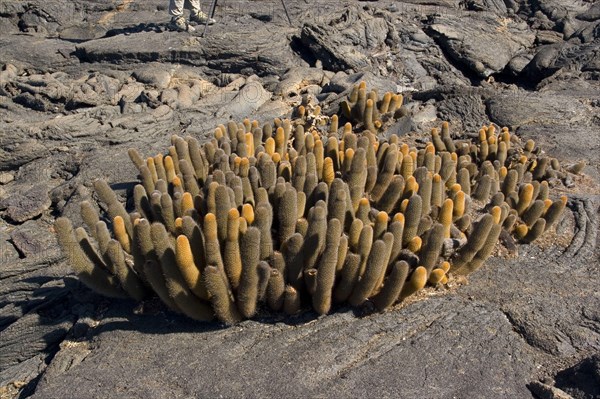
290	215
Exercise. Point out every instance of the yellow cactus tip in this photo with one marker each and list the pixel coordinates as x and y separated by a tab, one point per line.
482	135
496	213
210	218
233	213
445	266
521	231
399	217
182	240
563	199
403	205
382	216
415	244
248	213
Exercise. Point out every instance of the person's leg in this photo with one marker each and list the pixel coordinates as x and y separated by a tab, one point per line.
178	22
197	15
193	6
176	8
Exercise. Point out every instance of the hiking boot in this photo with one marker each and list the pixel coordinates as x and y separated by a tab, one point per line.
201	17
179	24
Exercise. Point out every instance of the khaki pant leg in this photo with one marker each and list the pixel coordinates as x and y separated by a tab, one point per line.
193	5
176	7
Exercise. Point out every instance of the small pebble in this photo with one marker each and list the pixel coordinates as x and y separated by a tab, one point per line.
6	177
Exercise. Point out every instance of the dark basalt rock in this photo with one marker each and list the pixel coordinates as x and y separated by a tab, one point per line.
27	204
348	41
36	53
30	335
497	6
592	14
224	53
581	59
353	367
82	33
582	381
482	45
528	107
32	239
69	97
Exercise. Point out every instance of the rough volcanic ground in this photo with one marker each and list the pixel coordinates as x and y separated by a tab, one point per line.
82	81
